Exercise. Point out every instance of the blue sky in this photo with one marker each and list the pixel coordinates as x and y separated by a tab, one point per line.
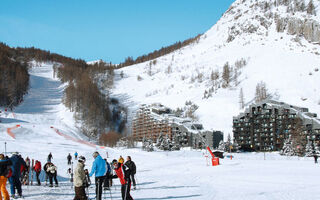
108	30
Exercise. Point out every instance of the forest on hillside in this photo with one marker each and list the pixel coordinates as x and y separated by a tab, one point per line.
158	53
82	95
14	77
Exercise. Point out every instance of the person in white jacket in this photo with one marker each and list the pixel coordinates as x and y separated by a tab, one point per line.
52	173
80	180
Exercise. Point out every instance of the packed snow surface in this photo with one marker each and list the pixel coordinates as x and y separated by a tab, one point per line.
160	175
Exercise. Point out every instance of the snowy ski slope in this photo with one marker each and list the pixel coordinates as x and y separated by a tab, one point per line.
160	175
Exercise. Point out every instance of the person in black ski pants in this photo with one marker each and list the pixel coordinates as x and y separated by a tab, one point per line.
69	157
122	172
51	171
99	169
132	170
15	183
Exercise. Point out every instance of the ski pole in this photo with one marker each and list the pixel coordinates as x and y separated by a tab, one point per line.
125	195
110	194
87	189
136	179
114	184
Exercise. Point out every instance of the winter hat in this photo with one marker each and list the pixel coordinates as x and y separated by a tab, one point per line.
95	154
114	161
82	159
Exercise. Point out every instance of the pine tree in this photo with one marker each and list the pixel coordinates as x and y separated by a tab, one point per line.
222	146
176	143
164	143
144	143
302	6
311	8
236	146
287	149
159	140
309	149
241	99
236	75
261	92
215	79
228	144
317	149
149	145
226	74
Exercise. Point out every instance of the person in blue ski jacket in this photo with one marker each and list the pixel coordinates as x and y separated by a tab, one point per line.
17	162
99	169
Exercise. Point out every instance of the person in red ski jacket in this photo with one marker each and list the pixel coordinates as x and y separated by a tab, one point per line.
37	169
123	173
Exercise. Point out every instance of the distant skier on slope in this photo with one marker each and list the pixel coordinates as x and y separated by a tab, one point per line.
315	156
37	169
76	155
49	157
80	180
99	169
69	158
123	173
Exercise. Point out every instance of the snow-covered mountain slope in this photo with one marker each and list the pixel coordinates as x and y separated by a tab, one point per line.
279	46
160	175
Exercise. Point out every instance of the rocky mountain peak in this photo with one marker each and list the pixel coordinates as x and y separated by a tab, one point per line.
296	17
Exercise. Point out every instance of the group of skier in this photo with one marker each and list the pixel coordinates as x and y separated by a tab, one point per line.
16	170
103	176
13	169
